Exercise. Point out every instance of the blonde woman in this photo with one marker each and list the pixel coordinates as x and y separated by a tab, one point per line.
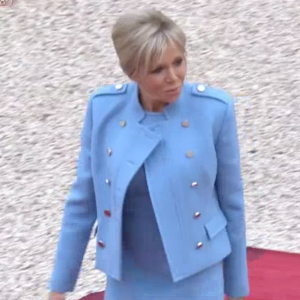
159	170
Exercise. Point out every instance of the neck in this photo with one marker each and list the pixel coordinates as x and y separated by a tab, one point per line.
150	104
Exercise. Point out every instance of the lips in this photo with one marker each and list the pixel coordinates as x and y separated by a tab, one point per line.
177	89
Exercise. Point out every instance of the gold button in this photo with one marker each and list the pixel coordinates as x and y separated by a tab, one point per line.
194	184
201	88
185	124
107	181
119	86
109	152
199	245
197	215
190	154
122	123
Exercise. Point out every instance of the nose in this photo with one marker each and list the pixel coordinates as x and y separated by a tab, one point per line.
171	75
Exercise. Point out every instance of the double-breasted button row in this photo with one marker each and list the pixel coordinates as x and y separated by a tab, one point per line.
196	216
190	154
186	124
107	212
109	153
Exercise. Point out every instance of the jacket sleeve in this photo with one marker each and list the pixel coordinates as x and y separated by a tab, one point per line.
230	192
78	219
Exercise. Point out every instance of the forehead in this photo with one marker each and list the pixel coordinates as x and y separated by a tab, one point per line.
167	55
160	56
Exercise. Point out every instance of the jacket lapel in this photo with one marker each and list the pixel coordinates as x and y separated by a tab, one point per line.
142	142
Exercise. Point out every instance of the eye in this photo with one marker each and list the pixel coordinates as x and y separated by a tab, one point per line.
178	62
157	70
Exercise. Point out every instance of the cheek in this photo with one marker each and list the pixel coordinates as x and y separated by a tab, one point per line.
155	84
182	72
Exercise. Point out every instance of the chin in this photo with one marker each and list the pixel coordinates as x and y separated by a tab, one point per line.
172	98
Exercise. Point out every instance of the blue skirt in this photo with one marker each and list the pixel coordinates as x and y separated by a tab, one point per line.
139	284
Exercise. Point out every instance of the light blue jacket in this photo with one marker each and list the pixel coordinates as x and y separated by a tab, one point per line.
194	178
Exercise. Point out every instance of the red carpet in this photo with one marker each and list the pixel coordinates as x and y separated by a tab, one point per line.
273	276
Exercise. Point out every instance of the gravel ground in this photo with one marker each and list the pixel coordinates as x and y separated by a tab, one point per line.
52	53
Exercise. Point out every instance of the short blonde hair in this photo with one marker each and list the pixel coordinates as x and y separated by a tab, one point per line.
141	37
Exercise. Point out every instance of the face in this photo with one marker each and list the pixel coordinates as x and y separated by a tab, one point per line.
163	83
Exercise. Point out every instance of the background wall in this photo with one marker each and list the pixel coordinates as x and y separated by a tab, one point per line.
52	53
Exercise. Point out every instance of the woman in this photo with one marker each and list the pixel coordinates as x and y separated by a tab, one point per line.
159	169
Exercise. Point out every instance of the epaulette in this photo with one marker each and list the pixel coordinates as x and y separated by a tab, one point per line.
109	89
203	90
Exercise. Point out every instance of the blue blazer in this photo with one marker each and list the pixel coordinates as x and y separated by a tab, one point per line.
194	178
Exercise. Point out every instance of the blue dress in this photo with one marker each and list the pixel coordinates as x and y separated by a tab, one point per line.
145	273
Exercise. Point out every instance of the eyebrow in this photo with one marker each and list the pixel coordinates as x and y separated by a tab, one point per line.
163	65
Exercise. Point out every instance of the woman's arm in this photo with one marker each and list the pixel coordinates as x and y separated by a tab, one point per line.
230	191
79	217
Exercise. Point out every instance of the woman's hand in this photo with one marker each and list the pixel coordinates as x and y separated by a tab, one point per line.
56	296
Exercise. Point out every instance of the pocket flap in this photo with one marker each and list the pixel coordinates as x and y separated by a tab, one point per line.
215	225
